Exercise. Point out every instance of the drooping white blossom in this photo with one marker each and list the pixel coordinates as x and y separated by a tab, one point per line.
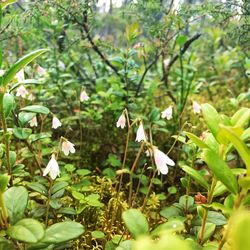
52	168
22	91
56	123
121	122
33	122
83	96
167	113
196	107
162	161
41	70
68	147
140	134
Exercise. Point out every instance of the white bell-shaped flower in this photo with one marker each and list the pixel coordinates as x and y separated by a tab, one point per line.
68	147
56	123
162	161
52	168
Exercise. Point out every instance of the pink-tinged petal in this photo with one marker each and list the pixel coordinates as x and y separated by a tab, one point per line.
41	70
162	161
68	147
196	107
33	122
167	113
21	91
84	96
140	134
56	123
121	121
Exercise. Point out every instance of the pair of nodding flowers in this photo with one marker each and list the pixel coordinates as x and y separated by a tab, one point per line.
162	161
52	167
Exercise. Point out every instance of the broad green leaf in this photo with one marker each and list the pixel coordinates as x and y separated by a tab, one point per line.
8	103
58	186
21	63
36	109
209	230
171	212
173	225
211	118
62	232
220	169
97	234
83	172
38	187
239	145
135	222
22	133
241	117
196	175
196	140
26	230
16	200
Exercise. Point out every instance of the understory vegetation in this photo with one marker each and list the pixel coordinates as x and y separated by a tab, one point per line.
125	127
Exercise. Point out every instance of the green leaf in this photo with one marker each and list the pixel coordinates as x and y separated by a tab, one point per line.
40	188
173	225
22	133
6	3
239	145
5	244
16	200
26	230
196	140
135	222
196	175
170	212
62	232
209	230
245	182
36	109
241	117
98	234
220	170
58	186
83	172
21	63
8	103
211	118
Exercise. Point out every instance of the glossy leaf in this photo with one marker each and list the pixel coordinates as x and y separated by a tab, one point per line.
135	222
26	230
211	118
8	103
239	145
196	175
220	170
16	199
36	109
62	232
